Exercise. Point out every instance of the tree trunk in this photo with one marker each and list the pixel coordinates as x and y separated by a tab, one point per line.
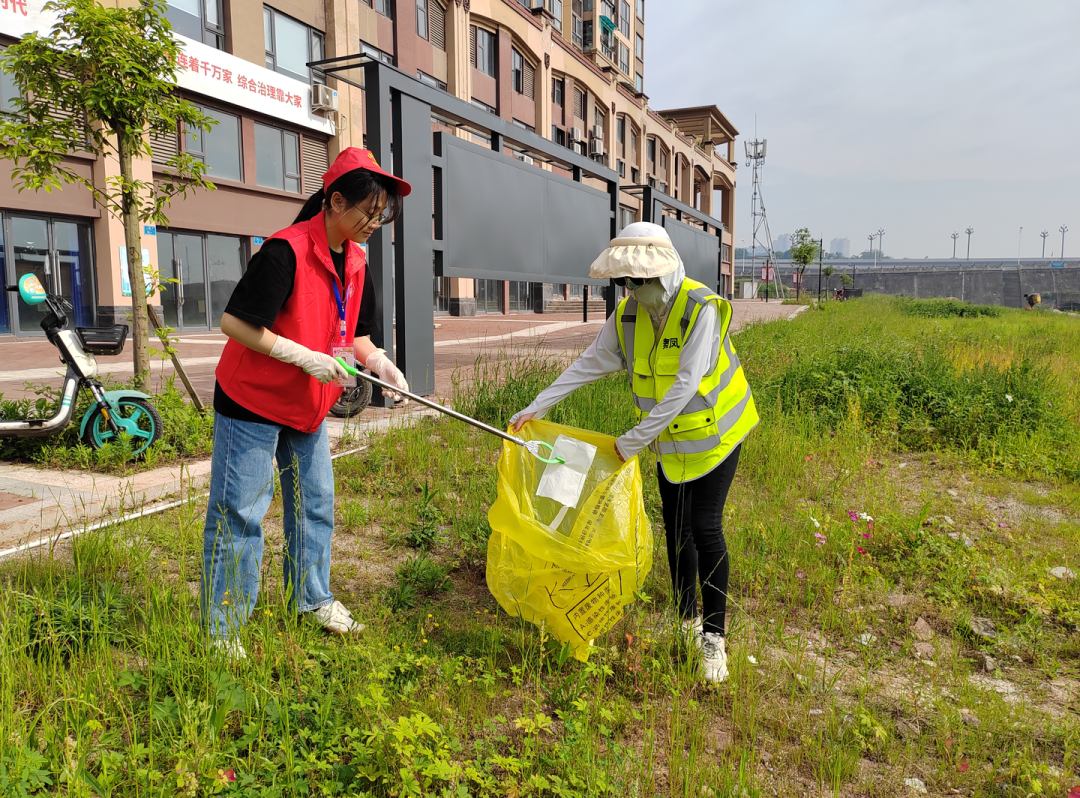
140	335
798	286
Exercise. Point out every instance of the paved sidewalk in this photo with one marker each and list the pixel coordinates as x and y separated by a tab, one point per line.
39	504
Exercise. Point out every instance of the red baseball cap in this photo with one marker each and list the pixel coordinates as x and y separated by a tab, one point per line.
353	158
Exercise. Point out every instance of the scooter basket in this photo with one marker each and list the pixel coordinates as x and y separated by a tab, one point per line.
103	340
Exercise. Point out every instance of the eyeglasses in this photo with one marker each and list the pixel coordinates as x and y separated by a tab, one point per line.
384	219
635	282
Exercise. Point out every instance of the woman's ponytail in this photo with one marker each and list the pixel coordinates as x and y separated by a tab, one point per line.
312	208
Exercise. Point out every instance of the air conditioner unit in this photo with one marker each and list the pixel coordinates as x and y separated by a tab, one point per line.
323	98
596	147
576	134
526	159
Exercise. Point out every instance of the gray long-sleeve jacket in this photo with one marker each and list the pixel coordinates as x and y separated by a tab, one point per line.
604	357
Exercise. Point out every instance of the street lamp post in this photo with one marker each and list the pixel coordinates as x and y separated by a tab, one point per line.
1019	241
969	231
821	249
871	239
1064	230
954	237
880	246
1044	234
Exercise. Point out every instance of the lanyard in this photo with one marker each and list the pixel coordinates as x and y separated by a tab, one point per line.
341	309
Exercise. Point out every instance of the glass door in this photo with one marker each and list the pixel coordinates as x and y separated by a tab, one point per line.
7	298
72	259
170	292
30	255
225	261
60	254
191	269
488	296
206	268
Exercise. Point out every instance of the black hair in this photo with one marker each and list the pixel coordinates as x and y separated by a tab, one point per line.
355	186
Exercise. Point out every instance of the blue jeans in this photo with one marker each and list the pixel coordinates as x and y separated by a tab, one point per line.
241	487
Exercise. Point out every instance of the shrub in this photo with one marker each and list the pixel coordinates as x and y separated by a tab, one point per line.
947	309
917	393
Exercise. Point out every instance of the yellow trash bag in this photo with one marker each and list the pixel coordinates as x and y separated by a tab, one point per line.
569	544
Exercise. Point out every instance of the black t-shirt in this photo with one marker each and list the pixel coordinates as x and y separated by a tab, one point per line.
263	290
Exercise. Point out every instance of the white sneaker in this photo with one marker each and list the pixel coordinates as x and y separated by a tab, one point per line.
715	656
229	647
691	630
336	618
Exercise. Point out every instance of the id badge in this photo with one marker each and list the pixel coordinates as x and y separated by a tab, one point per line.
348	354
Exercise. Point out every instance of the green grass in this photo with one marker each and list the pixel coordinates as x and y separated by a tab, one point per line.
106	687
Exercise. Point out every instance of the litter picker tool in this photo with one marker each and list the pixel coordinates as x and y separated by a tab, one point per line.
533	447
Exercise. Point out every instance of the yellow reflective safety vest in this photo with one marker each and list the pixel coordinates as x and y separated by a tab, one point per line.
722	413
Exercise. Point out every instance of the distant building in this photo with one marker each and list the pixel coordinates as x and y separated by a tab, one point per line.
841	245
782	243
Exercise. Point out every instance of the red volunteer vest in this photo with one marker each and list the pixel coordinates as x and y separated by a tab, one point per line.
280	391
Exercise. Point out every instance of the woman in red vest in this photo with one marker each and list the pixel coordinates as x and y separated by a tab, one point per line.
305	298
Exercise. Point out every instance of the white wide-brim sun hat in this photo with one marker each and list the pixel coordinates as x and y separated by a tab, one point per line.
642	250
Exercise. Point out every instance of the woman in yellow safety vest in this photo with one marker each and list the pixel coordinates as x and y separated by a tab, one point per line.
694	408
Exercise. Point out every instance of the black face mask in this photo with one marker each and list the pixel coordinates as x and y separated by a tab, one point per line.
635	282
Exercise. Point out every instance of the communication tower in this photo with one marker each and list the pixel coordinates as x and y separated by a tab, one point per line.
755	158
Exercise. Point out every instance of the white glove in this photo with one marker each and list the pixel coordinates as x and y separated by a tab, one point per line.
380	364
318	364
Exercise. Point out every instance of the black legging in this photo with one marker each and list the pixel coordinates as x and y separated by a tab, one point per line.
693	518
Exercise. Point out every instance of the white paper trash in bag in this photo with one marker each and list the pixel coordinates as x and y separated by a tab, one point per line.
564	482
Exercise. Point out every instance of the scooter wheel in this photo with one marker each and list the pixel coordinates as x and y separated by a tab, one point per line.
352	401
138	415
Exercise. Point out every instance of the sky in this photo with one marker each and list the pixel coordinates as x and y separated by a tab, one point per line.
922	117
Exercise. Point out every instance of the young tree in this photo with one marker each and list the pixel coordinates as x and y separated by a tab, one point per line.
100	82
804	251
828	271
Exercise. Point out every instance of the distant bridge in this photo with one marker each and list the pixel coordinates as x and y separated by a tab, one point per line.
980	281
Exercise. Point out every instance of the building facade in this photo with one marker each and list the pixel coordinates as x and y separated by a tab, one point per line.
841	246
571	71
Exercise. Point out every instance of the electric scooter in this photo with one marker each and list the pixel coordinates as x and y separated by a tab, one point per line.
113	413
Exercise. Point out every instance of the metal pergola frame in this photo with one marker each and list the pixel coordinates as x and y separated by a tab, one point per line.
653	203
398	111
